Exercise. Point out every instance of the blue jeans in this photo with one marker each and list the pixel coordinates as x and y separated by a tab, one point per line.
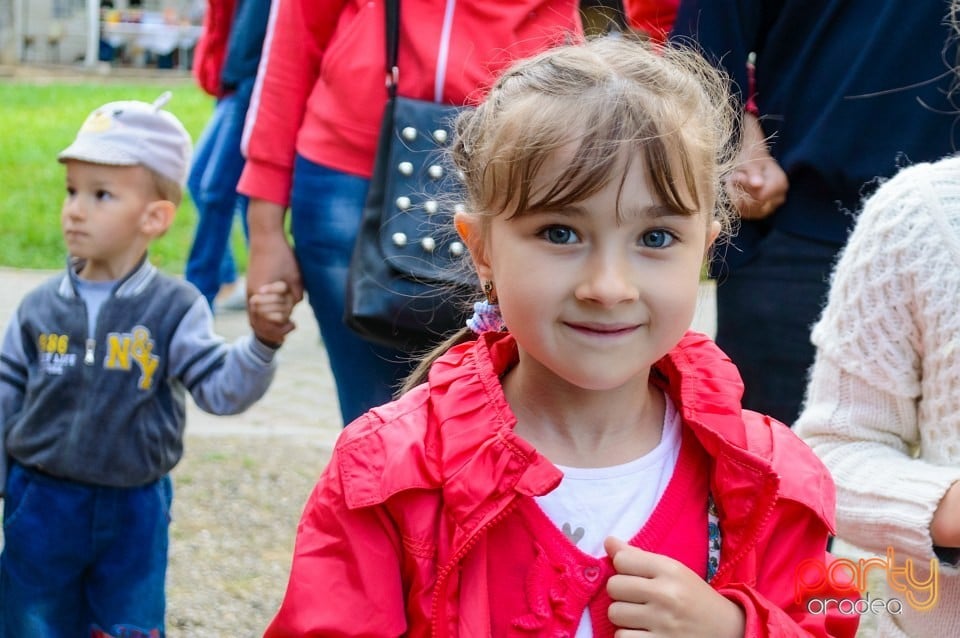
217	165
325	210
77	556
765	310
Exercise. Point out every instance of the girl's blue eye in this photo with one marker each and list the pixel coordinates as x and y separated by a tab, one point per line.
657	239
560	235
101	194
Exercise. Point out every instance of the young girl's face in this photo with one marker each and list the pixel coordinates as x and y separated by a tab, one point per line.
595	296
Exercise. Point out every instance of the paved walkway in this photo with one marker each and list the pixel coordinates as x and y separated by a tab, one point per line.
302	401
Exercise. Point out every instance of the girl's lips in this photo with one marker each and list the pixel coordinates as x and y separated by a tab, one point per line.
612	329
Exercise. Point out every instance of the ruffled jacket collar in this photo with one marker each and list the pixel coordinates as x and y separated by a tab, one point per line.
467	448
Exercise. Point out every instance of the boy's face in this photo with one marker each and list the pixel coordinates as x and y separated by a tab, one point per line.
109	217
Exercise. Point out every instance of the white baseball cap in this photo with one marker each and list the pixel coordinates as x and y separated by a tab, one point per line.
131	133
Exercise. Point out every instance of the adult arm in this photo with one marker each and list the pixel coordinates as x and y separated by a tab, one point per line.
211	47
728	32
297	35
864	432
875	341
270	259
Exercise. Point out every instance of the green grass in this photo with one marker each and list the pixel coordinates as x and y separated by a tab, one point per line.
37	121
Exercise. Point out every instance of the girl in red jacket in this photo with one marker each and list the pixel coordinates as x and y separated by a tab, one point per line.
582	465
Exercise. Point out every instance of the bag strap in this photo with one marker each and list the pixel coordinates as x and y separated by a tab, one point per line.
393	45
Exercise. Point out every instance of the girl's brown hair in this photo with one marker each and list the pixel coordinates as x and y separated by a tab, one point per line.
609	98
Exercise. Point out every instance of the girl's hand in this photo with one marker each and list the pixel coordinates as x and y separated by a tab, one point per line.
270	308
654	595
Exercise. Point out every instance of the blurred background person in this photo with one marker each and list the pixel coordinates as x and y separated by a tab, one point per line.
225	66
883	404
844	93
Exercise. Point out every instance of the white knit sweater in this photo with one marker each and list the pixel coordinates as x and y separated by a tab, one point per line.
883	403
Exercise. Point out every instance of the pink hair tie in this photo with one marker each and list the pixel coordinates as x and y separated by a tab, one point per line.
486	316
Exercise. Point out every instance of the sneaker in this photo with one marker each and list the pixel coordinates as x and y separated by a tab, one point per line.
232	297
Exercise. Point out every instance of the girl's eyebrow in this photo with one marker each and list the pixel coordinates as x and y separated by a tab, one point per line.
656	211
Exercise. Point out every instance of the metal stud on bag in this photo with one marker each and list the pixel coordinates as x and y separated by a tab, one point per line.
430	206
404	290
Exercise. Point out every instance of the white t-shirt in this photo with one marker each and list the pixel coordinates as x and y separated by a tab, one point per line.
593	503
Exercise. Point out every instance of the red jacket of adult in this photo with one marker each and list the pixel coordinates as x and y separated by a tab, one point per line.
393	540
211	47
655	17
321	87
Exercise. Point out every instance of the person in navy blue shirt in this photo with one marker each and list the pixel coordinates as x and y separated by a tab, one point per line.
846	93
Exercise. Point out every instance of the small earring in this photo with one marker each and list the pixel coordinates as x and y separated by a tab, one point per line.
486	314
489	292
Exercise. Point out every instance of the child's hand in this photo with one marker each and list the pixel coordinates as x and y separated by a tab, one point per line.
661	596
269	309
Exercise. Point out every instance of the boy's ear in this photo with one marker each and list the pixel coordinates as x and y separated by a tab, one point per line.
468	227
158	217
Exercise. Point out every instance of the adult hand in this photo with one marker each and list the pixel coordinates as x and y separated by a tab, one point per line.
758	186
271	259
654	595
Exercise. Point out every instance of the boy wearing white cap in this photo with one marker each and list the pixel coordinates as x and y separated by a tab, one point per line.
93	374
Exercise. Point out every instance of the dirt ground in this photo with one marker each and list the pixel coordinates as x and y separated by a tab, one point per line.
237	502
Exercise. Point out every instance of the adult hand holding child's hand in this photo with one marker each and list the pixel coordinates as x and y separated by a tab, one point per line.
270	307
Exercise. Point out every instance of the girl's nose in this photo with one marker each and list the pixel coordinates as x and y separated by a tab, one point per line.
608	280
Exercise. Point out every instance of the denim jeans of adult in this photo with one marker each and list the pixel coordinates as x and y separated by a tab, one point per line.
765	311
77	556
325	210
216	169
